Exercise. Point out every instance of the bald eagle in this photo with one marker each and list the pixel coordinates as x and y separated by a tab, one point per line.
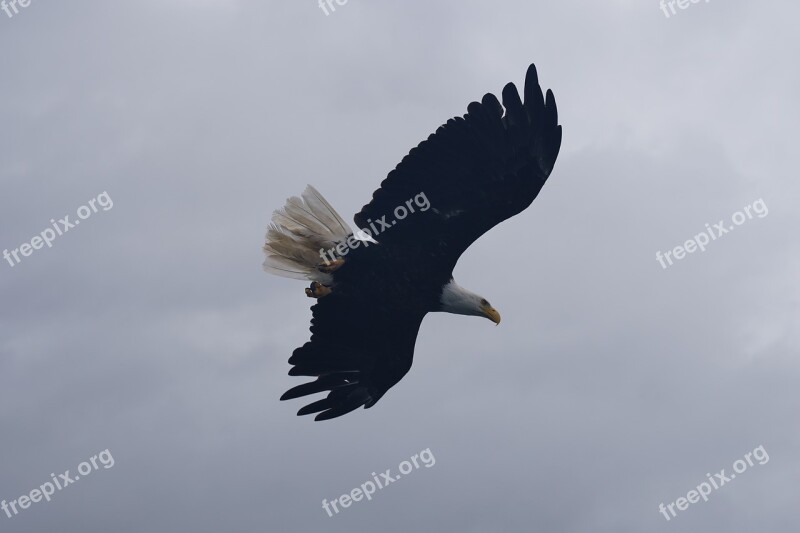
373	286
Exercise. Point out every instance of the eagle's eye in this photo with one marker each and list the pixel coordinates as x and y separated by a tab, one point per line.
484	302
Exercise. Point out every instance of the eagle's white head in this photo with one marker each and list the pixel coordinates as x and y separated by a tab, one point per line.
458	300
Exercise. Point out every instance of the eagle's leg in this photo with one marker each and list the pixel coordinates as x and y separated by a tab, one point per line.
329	267
317	290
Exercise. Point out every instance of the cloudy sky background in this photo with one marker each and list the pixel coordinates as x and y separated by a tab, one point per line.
611	386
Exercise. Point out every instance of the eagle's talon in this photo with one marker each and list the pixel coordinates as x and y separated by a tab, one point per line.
330	267
317	290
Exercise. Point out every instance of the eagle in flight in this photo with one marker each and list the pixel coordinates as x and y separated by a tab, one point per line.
373	286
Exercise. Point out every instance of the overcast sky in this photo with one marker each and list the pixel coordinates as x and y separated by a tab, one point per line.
612	385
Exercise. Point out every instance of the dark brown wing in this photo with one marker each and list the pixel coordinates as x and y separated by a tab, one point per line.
475	172
359	348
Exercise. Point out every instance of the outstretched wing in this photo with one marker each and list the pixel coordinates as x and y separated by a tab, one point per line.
358	349
474	172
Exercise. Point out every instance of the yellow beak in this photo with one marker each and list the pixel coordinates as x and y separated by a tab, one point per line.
492	314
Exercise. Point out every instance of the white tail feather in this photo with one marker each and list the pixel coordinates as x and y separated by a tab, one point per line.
298	232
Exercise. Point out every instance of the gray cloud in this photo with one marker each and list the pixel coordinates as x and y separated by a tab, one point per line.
610	387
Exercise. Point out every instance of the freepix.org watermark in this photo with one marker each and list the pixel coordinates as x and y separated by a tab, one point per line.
327	6
718	480
365	236
712	233
47	236
368	488
47	489
11	7
668	6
